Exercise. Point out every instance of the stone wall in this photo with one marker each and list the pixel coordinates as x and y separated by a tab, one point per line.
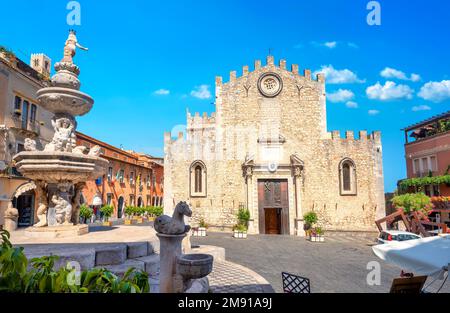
268	130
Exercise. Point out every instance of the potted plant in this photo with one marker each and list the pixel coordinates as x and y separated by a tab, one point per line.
200	231
107	212
85	213
317	235
129	211
309	218
140	213
240	231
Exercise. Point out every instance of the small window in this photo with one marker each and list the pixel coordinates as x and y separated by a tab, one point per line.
131	178
198	179
347	177
121	176
33	112
17	103
110	174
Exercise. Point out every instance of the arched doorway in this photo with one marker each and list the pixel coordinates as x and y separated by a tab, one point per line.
140	203
25	205
120	207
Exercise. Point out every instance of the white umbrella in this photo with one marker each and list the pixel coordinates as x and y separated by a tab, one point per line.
426	256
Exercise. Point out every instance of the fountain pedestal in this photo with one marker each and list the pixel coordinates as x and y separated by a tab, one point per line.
170	250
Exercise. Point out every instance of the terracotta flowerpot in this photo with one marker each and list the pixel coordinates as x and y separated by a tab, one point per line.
130	222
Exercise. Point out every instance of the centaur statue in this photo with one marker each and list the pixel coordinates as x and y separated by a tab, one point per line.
174	225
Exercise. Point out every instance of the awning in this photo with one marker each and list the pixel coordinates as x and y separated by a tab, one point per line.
97	200
426	256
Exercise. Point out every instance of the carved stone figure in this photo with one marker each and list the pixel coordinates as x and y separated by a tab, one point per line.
95	151
11	212
174	225
42	209
30	144
76	203
63	210
79	150
70	47
64	137
11	218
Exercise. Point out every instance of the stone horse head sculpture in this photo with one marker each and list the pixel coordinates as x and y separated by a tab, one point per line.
174	225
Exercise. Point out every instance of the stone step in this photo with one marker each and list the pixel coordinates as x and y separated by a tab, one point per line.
151	263
120	269
110	254
138	249
84	257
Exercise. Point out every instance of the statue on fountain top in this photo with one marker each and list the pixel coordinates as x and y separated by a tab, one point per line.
70	47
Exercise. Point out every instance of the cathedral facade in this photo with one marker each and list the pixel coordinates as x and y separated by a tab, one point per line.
267	148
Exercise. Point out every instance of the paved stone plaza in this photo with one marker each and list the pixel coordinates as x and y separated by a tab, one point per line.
337	265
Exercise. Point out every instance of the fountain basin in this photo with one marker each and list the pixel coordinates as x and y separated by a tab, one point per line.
194	266
65	100
55	166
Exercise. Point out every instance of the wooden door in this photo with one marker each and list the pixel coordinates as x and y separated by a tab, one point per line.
273	206
273	221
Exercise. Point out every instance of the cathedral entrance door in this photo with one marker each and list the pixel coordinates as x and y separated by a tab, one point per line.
273	221
273	206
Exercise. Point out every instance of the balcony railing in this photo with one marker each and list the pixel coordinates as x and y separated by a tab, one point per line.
29	126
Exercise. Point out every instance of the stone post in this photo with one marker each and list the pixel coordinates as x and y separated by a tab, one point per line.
170	249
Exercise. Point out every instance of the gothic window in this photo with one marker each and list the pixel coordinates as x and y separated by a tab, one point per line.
198	179
347	177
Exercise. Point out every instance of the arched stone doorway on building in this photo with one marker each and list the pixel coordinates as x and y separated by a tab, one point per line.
25	205
120	207
140	203
23	200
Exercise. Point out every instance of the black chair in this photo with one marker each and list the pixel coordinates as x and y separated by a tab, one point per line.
295	284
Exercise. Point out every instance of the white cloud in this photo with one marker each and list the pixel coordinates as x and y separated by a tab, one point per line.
373	112
415	77
420	108
351	105
390	91
352	45
201	92
342	95
435	91
162	92
330	44
334	76
391	73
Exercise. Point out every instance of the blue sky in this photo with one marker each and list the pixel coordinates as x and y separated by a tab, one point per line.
139	47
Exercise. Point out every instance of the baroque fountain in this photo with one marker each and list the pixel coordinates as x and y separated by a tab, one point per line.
62	168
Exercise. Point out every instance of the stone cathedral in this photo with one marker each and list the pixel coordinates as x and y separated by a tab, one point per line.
267	148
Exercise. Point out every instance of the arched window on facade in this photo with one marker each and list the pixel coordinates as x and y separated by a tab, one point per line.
347	177
198	179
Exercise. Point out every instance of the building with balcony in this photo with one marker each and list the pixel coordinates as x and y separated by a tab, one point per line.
132	178
427	152
20	117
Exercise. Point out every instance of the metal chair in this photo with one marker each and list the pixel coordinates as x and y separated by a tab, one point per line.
295	284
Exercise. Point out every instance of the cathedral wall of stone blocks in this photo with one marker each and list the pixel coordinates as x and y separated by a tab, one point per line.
252	131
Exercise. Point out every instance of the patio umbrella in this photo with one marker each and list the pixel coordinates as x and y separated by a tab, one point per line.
426	256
